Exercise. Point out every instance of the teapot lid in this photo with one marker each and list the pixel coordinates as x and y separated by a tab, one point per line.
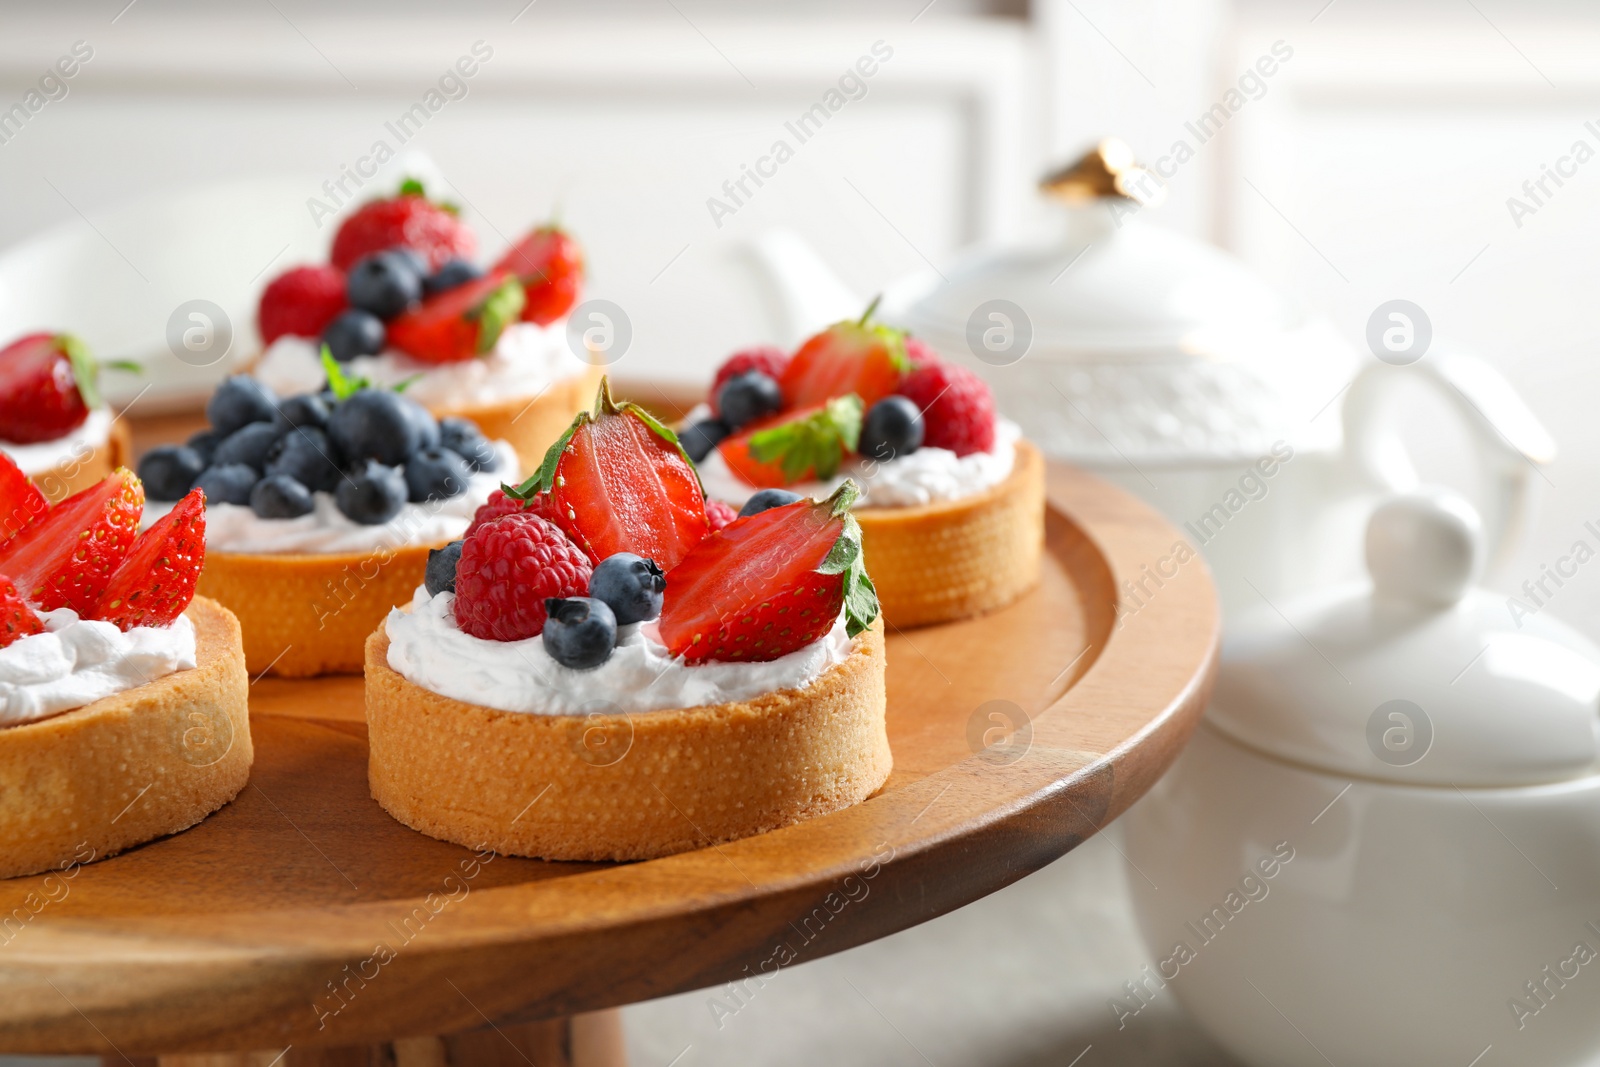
1416	677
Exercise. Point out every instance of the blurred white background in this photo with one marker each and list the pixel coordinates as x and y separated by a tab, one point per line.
1376	165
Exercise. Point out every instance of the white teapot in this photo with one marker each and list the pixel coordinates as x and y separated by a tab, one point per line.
1166	366
1383	844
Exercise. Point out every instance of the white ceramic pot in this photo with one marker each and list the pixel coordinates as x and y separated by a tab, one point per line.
1383	845
1168	367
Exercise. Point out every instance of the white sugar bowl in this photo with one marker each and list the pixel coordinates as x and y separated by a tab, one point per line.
1383	844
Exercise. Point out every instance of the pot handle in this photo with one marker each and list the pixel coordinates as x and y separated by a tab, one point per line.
1511	444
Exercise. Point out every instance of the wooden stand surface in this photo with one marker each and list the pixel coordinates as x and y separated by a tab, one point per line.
302	918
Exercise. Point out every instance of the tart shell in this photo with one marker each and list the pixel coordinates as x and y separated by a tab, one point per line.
130	767
620	786
75	474
305	614
959	558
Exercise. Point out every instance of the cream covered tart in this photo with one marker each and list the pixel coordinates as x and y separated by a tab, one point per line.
122	696
952	501
322	508
654	679
53	423
401	300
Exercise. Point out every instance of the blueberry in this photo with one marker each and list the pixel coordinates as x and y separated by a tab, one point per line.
767	499
385	284
442	564
435	475
308	457
698	440
373	424
893	427
631	586
413	259
748	396
307	409
278	496
169	471
463	437
427	426
372	494
354	333
205	444
580	632
454	272
239	401
227	484
250	446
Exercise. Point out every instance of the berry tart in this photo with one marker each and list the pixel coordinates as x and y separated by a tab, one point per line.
52	421
601	670
402	300
952	500
122	695
322	509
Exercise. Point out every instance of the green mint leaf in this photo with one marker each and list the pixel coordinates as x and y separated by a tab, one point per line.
406	383
342	384
127	366
411	187
499	309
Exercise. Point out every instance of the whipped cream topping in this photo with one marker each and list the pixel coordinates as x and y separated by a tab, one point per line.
74	446
78	661
527	359
327	530
427	648
926	476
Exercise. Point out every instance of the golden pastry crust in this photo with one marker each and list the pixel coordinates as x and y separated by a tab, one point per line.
305	614
130	767
625	787
532	425
960	558
80	472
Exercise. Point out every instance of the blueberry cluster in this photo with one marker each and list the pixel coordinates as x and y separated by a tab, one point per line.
742	399
380	287
581	631
373	449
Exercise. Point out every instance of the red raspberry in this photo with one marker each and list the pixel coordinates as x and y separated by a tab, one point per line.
508	567
500	504
718	514
957	407
768	359
409	220
300	301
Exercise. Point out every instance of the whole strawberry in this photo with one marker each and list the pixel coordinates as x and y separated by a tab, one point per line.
300	302
508	568
409	220
857	356
17	620
768	359
550	264
957	407
156	580
48	383
460	323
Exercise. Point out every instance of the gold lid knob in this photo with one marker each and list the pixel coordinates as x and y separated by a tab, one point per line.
1107	170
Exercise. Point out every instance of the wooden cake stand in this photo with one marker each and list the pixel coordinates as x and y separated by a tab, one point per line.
303	921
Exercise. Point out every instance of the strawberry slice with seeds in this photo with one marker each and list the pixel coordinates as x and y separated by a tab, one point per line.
619	482
66	558
16	618
796	446
860	357
21	502
459	323
156	580
550	264
770	583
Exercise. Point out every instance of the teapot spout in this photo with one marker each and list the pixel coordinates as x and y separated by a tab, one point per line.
802	292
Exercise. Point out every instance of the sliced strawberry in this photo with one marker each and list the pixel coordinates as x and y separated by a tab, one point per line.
796	446
619	482
66	558
459	323
860	357
770	583
156	579
21	503
16	618
409	220
550	264
48	383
